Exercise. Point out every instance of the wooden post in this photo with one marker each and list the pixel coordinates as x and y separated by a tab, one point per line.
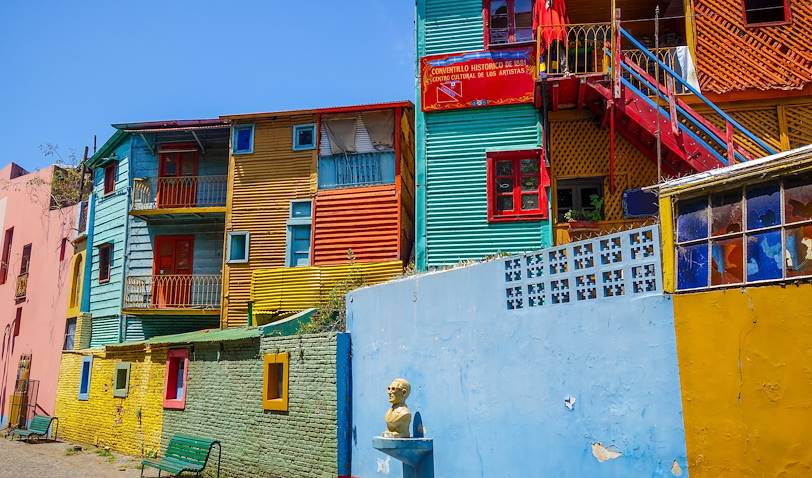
657	93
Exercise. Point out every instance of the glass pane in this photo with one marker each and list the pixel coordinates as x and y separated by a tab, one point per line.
504	203
565	198
692	220
530	166
504	185
692	266
244	139
301	233
726	213
187	164
587	195
304	137
727	261
530	202
170	164
763	206
237	250
499	7
799	251
499	37
504	168
300	209
530	183
524	34
764	256
798	198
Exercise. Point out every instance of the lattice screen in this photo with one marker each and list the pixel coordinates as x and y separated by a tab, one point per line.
622	264
799	125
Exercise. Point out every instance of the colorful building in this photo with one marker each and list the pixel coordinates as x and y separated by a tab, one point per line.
35	279
157	218
315	196
489	106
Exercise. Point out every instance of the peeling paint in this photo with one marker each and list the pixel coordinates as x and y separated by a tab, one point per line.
383	465
676	470
601	453
569	402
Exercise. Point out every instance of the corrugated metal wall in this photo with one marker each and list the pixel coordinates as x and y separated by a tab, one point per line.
144	328
104	330
457	226
406	187
450	26
261	187
299	288
362	219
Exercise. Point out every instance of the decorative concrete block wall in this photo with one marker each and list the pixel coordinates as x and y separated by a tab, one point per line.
224	401
129	425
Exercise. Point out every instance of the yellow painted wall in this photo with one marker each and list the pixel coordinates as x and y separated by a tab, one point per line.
129	425
261	186
745	359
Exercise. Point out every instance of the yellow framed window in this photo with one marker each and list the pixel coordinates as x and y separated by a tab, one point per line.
275	382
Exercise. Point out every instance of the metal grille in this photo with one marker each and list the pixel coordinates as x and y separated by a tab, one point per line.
179	192
622	264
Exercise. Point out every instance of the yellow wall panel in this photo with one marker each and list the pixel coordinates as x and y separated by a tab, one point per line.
746	375
129	425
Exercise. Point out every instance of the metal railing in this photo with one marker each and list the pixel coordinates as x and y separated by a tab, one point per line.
580	52
179	192
668	57
22	286
177	291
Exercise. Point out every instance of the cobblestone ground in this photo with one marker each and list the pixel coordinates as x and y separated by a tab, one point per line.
60	460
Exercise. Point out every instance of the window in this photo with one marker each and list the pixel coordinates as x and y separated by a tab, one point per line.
177	370
25	262
6	254
243	139
84	378
237	247
578	196
304	137
275	382
509	21
766	12
105	262
299	225
70	334
121	382
18	318
110	178
516	186
76	285
754	234
62	247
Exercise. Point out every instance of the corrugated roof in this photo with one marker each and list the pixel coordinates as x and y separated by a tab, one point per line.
323	110
172	124
208	335
769	166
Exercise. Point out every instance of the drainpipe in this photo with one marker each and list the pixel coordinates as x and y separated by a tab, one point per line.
128	190
84	307
250	313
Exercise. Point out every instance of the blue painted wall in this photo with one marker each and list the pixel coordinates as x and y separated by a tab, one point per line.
490	384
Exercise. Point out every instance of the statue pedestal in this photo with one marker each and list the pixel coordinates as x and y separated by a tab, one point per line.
416	454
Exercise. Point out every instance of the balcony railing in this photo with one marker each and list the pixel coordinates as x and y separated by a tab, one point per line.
179	192
364	169
22	286
669	56
187	291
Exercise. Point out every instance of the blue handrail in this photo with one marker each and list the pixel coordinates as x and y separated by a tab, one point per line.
690	118
696	92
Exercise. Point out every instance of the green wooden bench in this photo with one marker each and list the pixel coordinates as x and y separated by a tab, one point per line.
185	454
38	427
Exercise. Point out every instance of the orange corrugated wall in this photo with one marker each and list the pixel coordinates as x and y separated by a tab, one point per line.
363	219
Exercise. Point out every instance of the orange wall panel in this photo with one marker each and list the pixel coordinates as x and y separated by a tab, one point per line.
362	219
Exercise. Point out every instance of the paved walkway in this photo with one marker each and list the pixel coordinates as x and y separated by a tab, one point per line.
59	460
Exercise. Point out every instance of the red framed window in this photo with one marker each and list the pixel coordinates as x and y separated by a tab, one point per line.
6	255
508	21
110	178
517	182
105	261
760	13
177	375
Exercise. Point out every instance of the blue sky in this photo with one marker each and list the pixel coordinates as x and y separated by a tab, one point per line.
71	68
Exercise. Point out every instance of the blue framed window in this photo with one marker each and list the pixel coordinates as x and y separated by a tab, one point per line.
237	247
299	231
84	378
242	141
752	234
304	137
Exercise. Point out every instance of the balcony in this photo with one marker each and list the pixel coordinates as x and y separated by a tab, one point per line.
188	294
167	197
22	287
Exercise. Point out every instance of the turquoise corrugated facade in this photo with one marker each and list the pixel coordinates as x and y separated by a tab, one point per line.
452	223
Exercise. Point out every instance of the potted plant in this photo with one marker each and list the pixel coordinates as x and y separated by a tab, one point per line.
581	219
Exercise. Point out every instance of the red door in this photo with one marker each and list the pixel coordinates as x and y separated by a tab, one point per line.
172	274
177	177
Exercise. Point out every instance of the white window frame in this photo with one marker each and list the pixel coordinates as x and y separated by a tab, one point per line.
231	234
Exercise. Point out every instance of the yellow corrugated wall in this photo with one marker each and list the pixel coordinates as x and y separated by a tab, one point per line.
261	186
298	288
129	425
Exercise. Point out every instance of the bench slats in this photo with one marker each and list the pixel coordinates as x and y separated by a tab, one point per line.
184	453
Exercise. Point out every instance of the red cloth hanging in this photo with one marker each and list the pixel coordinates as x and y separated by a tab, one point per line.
551	16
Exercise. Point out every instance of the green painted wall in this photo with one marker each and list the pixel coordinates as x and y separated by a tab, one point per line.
224	401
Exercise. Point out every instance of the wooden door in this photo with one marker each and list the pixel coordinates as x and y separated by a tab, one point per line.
172	271
177	179
18	413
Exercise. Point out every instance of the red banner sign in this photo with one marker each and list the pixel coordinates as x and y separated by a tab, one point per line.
475	79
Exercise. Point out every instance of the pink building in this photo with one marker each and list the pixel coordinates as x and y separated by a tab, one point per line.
35	260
